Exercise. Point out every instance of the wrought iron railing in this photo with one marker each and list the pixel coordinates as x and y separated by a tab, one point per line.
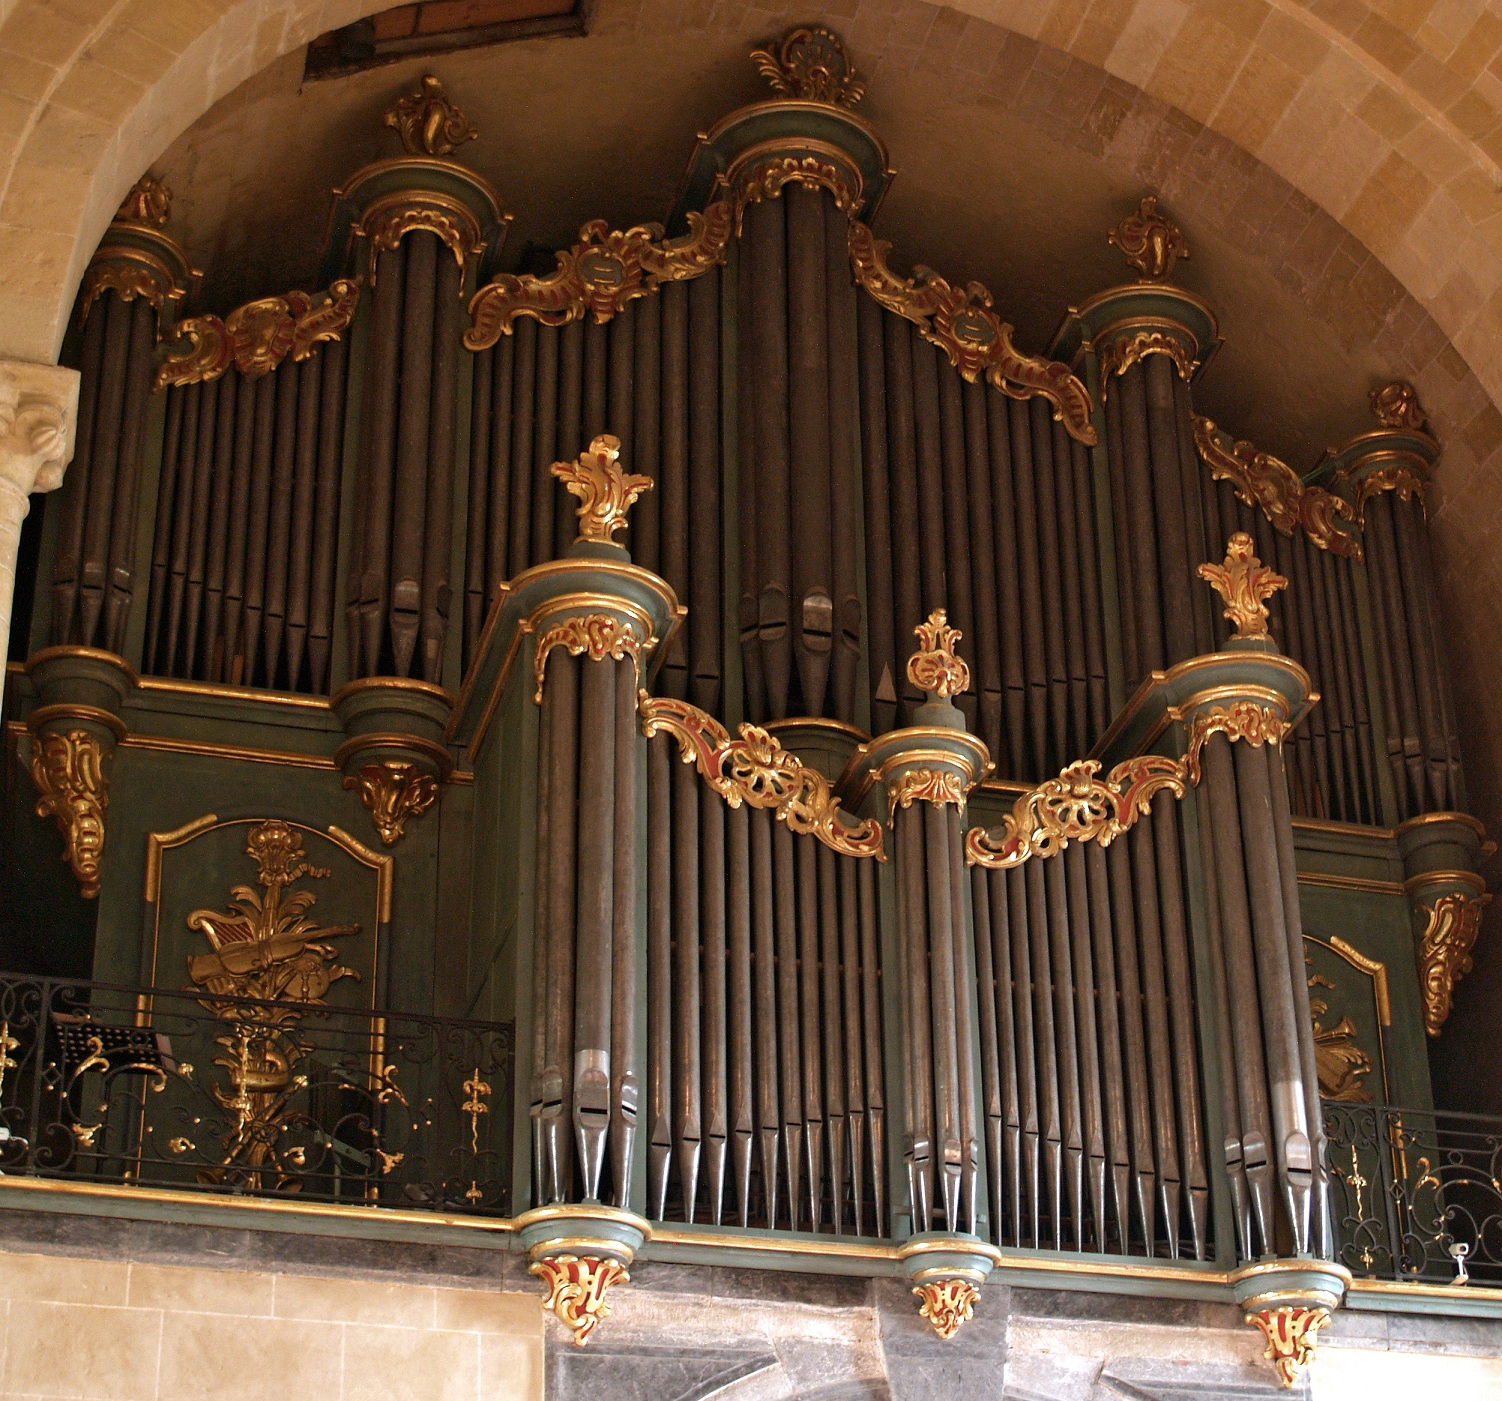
1416	1194
189	1090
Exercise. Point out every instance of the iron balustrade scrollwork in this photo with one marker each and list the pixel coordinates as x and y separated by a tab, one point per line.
162	1088
1416	1194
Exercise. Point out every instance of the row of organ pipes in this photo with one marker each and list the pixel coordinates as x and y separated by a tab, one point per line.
325	487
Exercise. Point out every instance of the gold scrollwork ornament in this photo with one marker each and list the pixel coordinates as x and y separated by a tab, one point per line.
947	1303
605	490
935	667
1244	584
1151	242
811	64
755	769
577	1285
1396	405
1246	720
935	786
393	790
68	768
1451	925
599	635
1118	355
1292	1335
148	204
428	123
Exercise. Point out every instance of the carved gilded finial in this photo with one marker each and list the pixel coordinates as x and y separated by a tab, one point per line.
148	203
934	667
428	123
605	492
1396	405
1292	1334
1151	242
812	65
1244	584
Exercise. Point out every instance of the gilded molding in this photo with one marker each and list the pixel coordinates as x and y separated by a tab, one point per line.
1247	720
577	1285
601	274
600	635
755	769
148	205
1451	924
977	341
935	667
1292	1334
257	337
1120	353
811	64
428	123
947	1303
606	491
1261	480
392	790
1244	584
1076	806
1396	405
1151	242
935	786
68	768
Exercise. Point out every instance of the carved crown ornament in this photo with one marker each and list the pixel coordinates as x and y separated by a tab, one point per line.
258	336
935	667
1244	584
755	769
1261	480
148	204
606	491
811	64
1396	405
1150	241
428	123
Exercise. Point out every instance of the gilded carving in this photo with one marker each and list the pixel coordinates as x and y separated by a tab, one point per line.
601	274
605	490
1260	479
127	280
148	204
576	1290
392	790
1396	405
755	769
1450	927
68	768
1117	356
1151	242
257	337
1075	806
1292	1334
977	341
1244	584
387	222
1399	475
936	786
765	179
600	635
1241	720
428	123
811	65
947	1303
935	668
1340	1064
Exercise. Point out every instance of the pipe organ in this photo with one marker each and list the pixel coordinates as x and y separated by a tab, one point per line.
899	785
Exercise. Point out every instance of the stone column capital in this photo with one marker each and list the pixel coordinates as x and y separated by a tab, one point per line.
38	417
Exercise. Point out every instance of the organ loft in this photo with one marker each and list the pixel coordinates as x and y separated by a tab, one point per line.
715	791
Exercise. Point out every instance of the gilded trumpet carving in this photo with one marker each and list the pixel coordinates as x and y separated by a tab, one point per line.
1396	405
1241	720
1151	242
601	274
577	1285
1340	1064
811	64
1292	1334
962	324
258	336
936	786
1261	480
947	1303
428	123
600	635
1451	925
1244	584
935	667
393	790
68	768
148	204
755	769
605	490
1075	806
